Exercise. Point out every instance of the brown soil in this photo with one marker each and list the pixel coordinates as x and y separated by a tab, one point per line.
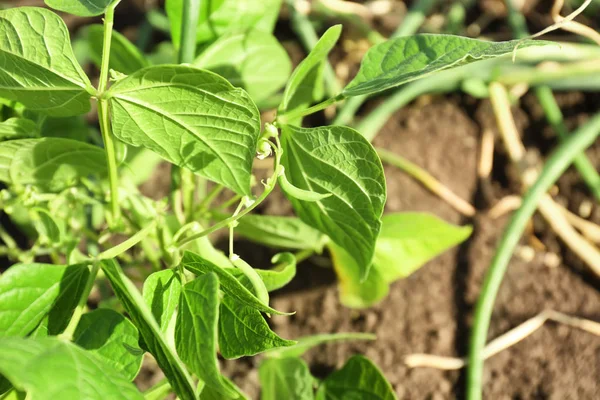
431	311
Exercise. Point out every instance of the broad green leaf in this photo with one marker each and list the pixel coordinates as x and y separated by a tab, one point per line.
74	128
339	161
150	333
275	278
281	232
163	53
38	65
47	226
113	338
285	378
409	240
17	128
254	61
81	8
407	58
197	330
28	293
52	164
192	118
355	291
305	86
51	368
308	342
359	379
124	56
243	331
229	284
161	293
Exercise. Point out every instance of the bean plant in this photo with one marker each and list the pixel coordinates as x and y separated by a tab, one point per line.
73	192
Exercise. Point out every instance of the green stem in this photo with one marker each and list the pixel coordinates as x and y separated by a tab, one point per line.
7	239
82	304
158	391
557	163
414	18
103	117
292	115
126	245
210	197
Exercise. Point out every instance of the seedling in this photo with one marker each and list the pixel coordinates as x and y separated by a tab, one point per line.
80	205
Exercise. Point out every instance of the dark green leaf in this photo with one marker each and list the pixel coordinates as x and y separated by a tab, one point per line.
75	128
253	60
17	128
113	338
285	378
28	293
161	293
38	65
197	329
149	330
407	58
191	117
51	368
308	342
243	331
359	379
229	284
124	56
281	232
339	161
305	86
81	8
53	164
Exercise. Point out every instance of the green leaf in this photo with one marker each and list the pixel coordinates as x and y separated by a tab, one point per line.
243	331
285	378
337	160
254	61
308	342
407	58
192	118
275	278
229	284
161	293
50	368
81	8
409	240
358	379
281	232
355	290
124	56
155	343
74	128
52	164
208	393
16	128
305	86
47	226
197	329
28	293
113	338
39	67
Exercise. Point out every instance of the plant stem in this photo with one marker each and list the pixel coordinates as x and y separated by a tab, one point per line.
126	245
311	110
557	163
210	197
82	304
103	117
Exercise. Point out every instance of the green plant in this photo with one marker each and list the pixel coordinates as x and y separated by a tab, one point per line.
80	205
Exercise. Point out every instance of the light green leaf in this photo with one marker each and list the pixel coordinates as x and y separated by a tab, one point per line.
355	291
275	278
16	128
285	378
161	293
51	368
305	86
208	393
359	379
253	60
281	232
163	53
243	331
52	164
308	342
113	338
409	240
47	226
197	329
124	56
28	293
38	65
407	58
229	284
81	8
74	128
154	342
337	160
192	118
